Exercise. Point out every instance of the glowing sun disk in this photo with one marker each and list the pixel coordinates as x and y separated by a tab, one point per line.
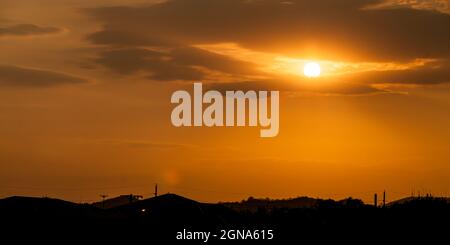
311	69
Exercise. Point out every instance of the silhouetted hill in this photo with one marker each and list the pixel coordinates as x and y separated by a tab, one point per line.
414	199
117	201
161	203
176	210
17	206
159	218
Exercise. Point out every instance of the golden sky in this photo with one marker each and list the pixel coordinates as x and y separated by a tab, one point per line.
85	92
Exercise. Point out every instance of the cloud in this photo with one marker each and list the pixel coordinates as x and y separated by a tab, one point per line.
27	30
179	63
132	60
16	76
161	40
123	38
328	29
437	5
436	72
294	88
355	83
137	143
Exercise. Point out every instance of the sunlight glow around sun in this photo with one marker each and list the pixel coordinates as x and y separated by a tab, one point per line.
311	69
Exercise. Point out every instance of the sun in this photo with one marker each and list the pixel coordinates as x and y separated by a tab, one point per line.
311	69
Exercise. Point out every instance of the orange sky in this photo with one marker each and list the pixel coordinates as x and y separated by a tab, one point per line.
86	85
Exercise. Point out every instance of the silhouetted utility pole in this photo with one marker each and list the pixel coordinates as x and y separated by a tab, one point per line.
384	199
103	199
130	198
375	200
156	190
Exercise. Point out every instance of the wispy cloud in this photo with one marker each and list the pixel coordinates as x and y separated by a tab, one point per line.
136	143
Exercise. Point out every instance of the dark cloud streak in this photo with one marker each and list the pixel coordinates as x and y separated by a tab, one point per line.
435	73
179	63
27	30
14	76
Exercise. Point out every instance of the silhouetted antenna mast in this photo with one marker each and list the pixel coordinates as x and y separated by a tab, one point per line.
375	200
384	199
156	190
103	199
